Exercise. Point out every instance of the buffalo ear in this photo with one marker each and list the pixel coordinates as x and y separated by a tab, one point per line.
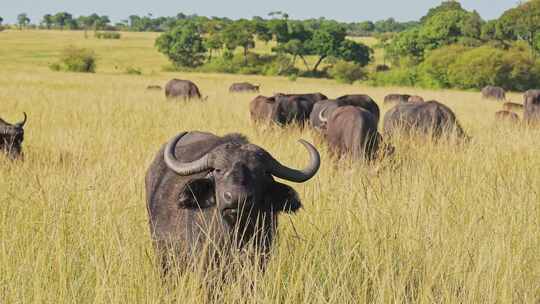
197	194
283	198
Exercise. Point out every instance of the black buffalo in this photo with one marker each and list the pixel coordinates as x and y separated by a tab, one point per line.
185	89
11	138
429	118
396	98
415	98
207	195
284	109
351	130
328	106
491	92
244	87
531	107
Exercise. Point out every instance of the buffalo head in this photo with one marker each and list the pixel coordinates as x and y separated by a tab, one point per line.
11	137
240	180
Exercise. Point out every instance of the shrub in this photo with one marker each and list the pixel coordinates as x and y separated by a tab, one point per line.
395	77
293	77
75	59
107	35
347	72
434	70
514	69
133	71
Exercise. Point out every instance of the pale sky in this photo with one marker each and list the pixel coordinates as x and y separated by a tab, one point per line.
342	10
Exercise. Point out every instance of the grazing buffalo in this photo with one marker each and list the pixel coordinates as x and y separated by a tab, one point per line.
208	195
353	131
512	106
11	138
284	109
177	88
363	101
396	98
507	116
428	118
415	98
328	106
244	87
153	87
531	107
491	92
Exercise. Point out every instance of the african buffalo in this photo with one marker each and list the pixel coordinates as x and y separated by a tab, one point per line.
244	87
428	118
363	101
352	130
415	98
208	195
396	98
531	106
177	88
284	109
507	116
512	106
11	138
491	92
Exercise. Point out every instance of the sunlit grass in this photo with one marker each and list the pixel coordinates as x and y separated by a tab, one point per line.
438	224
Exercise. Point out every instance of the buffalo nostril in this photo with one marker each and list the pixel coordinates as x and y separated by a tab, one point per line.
227	196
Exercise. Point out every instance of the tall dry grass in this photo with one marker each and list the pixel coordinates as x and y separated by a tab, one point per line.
440	223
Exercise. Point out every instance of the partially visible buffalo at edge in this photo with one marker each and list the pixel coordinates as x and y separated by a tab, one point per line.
11	138
531	107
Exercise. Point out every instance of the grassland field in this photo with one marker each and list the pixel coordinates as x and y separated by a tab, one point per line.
439	224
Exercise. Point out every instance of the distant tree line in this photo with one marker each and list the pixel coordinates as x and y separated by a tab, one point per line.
135	23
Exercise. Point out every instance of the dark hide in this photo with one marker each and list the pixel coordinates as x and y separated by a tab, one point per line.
396	98
429	118
188	215
353	131
491	92
531	106
184	89
11	138
244	87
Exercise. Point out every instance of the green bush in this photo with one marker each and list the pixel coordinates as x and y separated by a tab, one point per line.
514	69
107	35
347	72
73	59
433	72
395	77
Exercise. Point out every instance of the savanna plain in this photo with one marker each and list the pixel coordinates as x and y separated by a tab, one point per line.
437	223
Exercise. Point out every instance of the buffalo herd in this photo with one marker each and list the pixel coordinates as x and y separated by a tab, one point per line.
208	195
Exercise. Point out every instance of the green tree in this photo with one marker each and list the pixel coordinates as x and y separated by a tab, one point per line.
521	23
23	20
61	19
183	45
326	41
358	53
47	21
239	34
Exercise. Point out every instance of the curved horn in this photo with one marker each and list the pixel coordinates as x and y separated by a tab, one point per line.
180	168
299	176
22	123
321	115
